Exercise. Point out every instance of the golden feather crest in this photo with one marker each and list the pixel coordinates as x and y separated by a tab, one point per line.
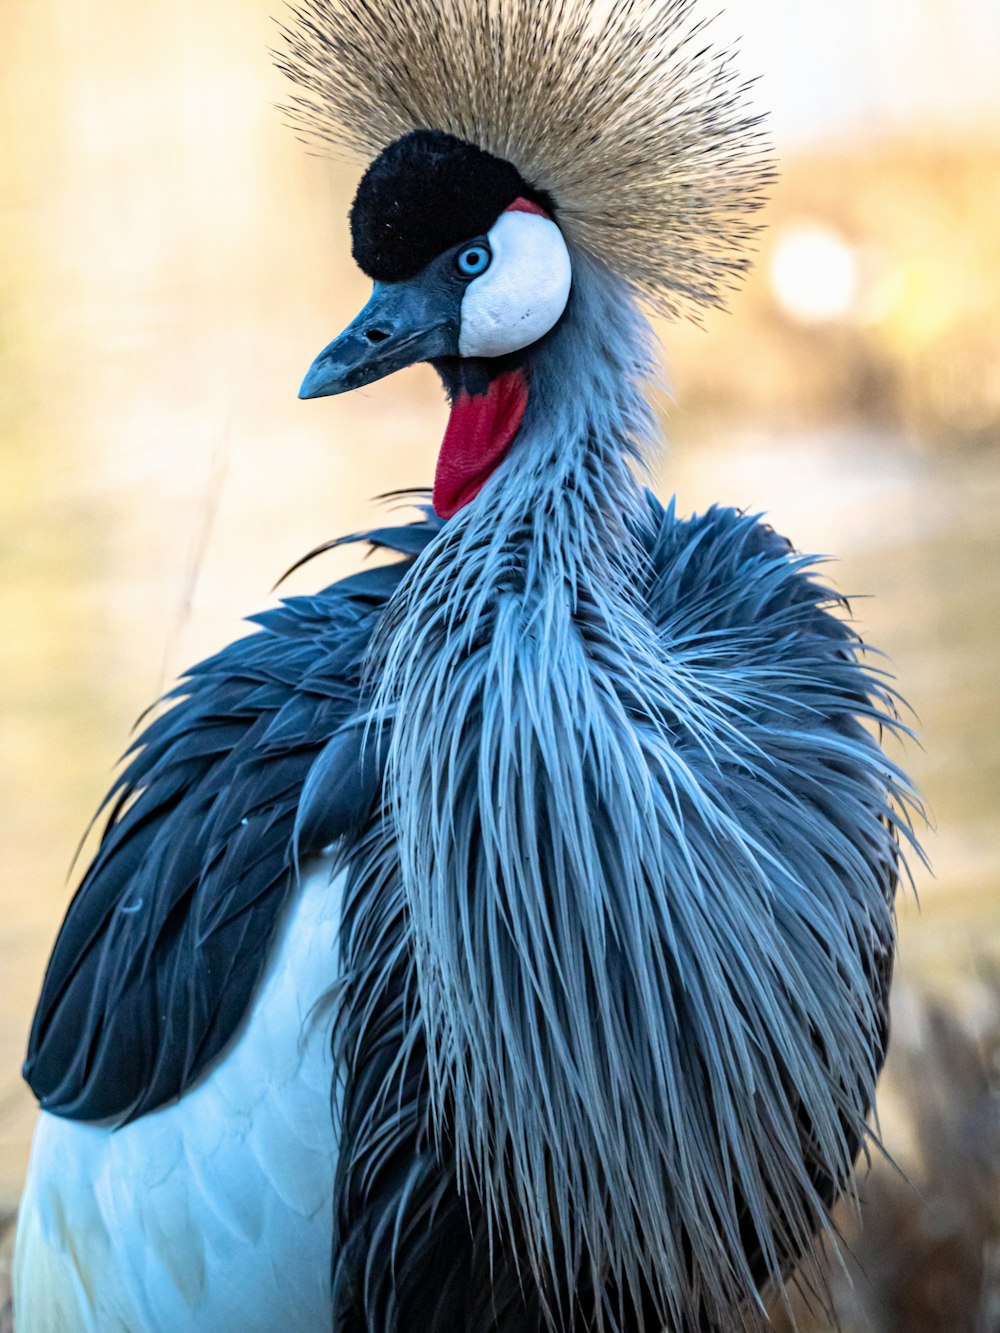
622	110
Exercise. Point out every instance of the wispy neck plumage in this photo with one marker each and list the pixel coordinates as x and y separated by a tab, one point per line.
562	510
635	956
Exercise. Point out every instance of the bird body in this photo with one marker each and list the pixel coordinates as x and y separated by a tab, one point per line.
499	939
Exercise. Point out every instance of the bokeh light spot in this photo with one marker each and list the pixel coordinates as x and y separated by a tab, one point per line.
814	274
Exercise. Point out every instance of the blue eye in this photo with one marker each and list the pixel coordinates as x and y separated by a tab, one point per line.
473	260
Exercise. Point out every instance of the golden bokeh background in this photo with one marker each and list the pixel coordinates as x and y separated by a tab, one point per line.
170	261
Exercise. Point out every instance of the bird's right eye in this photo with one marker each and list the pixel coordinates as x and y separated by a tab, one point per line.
473	260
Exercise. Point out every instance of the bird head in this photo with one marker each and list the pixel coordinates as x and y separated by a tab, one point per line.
527	149
467	261
470	271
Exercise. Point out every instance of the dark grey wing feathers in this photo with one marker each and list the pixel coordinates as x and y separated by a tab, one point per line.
167	935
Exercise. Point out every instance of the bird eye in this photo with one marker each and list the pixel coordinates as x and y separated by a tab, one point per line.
473	260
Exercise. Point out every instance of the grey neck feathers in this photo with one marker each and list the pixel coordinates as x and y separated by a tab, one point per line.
568	847
559	520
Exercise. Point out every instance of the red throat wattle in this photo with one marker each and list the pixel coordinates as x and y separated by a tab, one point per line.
480	430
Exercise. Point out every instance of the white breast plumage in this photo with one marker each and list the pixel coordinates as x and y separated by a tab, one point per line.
215	1211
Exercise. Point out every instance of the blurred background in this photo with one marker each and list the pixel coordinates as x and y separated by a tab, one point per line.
170	261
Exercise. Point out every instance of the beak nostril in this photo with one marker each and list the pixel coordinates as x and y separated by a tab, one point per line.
376	335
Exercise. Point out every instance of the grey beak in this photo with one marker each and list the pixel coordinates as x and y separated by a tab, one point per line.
403	323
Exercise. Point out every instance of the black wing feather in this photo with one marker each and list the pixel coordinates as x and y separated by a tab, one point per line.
164	942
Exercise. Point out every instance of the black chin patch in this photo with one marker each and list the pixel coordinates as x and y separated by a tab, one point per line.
425	193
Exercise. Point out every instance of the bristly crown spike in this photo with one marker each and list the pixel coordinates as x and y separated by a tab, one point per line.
622	111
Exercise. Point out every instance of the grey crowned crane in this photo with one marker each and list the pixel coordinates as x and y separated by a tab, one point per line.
499	939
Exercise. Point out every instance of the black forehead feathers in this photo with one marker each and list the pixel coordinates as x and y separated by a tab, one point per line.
425	193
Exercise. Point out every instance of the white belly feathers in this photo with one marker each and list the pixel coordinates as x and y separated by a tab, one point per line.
214	1212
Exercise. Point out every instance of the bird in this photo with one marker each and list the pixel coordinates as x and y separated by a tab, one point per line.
499	939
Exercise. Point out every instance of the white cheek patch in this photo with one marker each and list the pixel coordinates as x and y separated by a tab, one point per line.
522	293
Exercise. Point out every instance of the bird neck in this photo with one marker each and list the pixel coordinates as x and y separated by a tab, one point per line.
550	446
485	419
